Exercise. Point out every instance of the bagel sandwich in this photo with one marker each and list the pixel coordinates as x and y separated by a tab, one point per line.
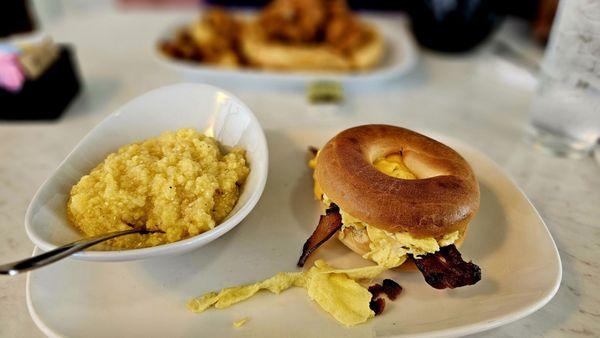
397	198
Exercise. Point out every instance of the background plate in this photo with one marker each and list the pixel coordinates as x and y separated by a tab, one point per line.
400	57
507	239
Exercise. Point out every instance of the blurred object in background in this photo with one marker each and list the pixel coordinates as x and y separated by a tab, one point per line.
325	92
158	3
540	13
284	36
565	116
453	25
38	80
354	4
15	17
542	24
442	25
445	25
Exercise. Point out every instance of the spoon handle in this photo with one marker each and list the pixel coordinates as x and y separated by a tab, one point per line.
52	256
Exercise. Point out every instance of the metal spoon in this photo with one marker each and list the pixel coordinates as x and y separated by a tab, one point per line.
59	253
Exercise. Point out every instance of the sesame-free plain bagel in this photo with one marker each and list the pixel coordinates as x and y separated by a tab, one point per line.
443	198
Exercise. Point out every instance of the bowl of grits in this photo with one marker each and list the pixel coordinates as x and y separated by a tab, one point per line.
187	160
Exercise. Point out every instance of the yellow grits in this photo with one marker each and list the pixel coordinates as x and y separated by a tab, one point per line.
179	182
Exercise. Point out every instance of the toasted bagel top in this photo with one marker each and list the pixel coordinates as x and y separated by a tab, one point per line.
443	198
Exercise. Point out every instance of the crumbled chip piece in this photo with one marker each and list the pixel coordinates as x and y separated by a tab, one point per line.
336	291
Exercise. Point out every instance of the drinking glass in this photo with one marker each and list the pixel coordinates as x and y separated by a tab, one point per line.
565	114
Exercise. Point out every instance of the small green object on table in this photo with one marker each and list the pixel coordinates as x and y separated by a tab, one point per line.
325	92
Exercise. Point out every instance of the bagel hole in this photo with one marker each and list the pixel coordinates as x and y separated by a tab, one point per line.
422	165
393	165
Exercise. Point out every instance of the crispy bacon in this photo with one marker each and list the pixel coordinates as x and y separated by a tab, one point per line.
329	224
375	290
377	305
446	269
391	289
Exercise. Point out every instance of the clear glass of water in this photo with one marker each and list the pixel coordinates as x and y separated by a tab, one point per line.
565	114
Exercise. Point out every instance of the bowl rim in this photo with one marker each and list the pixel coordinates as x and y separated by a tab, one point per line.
169	248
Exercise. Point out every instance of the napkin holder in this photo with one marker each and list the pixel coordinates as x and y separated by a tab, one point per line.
46	97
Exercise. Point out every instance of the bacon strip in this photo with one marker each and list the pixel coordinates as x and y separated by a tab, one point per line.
377	305
446	269
391	289
329	224
376	290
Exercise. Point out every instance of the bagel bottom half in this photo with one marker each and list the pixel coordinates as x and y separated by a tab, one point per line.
358	241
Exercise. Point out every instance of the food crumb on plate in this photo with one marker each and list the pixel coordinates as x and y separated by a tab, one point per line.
239	323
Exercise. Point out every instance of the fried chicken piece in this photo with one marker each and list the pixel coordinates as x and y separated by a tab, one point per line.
314	21
223	24
212	39
345	33
294	21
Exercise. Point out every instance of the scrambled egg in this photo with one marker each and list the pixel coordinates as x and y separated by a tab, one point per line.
389	249
336	291
180	183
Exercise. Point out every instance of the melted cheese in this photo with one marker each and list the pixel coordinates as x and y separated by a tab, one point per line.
337	291
393	165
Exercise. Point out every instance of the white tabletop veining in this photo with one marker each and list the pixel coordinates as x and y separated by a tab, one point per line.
481	98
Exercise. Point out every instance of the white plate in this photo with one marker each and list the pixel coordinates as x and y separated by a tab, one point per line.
203	107
508	240
399	58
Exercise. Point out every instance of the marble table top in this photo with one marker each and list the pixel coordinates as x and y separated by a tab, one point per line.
481	98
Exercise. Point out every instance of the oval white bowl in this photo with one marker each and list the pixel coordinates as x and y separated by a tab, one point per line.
206	108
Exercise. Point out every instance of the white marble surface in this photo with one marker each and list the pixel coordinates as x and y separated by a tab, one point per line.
478	98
